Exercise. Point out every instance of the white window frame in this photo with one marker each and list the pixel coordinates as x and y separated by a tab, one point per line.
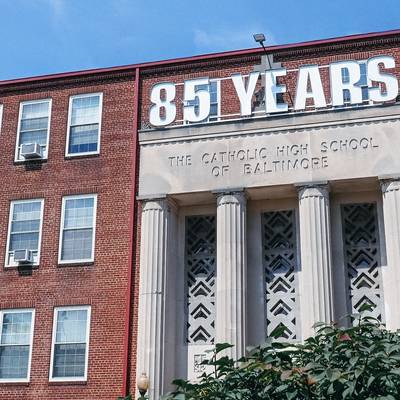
83	260
12	204
53	343
216	117
16	311
71	99
21	106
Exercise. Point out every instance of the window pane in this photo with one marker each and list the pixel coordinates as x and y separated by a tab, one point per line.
34	124
22	241
27	211
33	137
214	109
363	80
83	139
16	328
35	110
25	226
77	244
365	94
85	110
71	326
69	360
14	362
79	213
345	75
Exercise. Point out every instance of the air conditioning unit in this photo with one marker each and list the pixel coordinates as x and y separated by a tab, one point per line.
23	256
31	151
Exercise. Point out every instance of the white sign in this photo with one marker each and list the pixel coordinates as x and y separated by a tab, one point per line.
309	86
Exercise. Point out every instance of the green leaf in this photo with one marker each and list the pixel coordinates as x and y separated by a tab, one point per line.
221	347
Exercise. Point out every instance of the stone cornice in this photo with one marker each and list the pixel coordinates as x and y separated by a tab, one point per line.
266	126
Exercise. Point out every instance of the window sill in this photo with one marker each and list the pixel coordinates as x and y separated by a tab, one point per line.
76	264
23	266
14	383
34	164
80	156
30	161
67	383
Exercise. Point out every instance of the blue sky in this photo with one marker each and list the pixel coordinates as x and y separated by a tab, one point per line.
47	36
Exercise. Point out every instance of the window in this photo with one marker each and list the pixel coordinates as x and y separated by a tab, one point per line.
25	229
16	344
84	124
363	83
214	89
78	226
70	347
33	126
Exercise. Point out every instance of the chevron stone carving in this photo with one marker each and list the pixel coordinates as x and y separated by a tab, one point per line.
362	258
280	270
200	278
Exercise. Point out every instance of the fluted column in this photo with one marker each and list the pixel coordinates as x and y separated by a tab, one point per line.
156	226
316	297
391	273
231	272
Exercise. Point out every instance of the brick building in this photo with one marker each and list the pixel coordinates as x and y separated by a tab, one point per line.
73	210
267	194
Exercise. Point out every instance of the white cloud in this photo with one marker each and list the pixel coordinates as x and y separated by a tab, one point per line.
57	8
228	39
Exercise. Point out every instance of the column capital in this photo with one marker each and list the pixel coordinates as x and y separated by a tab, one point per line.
320	189
158	204
230	196
390	185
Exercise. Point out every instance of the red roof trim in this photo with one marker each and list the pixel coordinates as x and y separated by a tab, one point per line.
252	51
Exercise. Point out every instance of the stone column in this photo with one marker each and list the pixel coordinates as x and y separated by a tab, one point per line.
156	229
391	273
316	292
231	272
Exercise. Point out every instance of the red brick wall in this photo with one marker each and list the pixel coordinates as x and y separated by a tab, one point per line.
103	285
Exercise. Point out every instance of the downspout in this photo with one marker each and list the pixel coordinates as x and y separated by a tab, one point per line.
132	239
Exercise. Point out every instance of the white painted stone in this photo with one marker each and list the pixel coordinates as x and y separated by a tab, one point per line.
301	149
230	318
158	224
391	273
316	301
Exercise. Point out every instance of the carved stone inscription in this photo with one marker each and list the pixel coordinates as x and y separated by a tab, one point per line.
265	160
344	152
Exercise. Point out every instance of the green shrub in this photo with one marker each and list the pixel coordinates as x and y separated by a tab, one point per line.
358	363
